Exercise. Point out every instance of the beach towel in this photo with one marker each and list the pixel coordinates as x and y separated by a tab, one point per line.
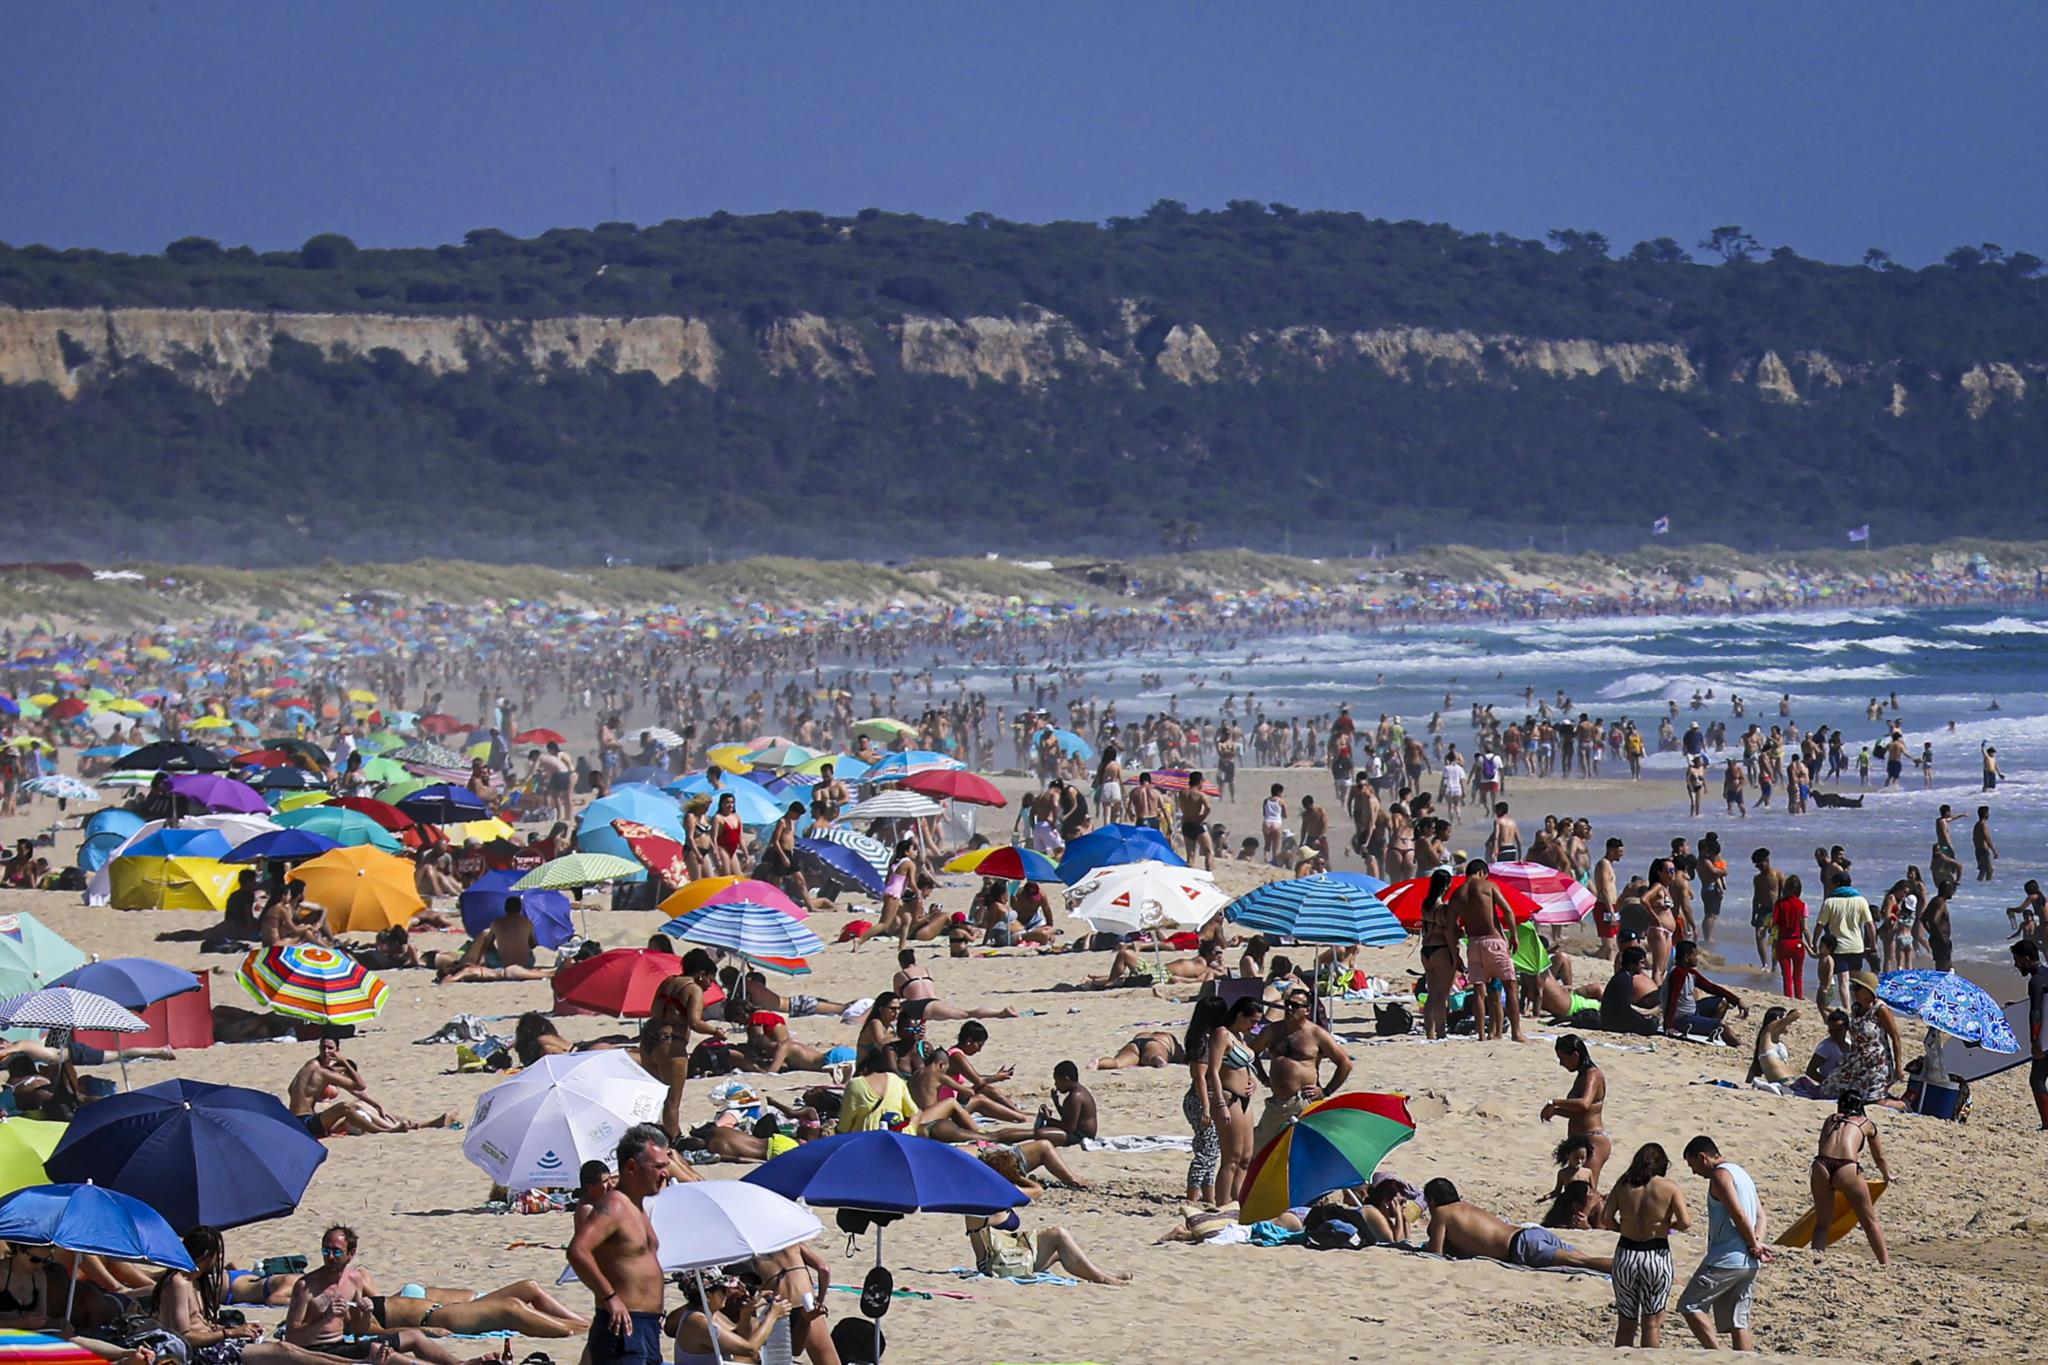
968	1272
1140	1142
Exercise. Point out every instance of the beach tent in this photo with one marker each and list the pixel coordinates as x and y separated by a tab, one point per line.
176	882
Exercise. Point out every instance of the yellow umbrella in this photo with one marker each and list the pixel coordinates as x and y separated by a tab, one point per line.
127	706
731	757
366	698
296	800
362	889
483	831
25	1144
171	883
44	699
157	652
210	723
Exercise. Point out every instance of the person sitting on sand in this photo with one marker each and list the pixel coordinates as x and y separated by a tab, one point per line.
331	1076
1156	1048
1574	1158
1688	1016
1003	1248
393	951
978	1092
1069	1119
327	1295
435	879
503	951
187	1303
1573	1207
1461	1230
770	1048
719	1320
1770	1063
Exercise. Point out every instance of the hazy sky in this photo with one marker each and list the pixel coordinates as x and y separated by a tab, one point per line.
1829	127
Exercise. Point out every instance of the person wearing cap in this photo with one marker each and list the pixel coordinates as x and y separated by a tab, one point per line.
2026	957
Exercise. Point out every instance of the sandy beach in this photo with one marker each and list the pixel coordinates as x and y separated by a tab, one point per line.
1968	1220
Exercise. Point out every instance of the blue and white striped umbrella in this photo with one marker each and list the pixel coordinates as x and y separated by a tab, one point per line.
746	928
67	1007
896	767
872	851
1954	1004
827	861
62	787
1317	909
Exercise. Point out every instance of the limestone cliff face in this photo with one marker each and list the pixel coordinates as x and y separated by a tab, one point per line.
217	351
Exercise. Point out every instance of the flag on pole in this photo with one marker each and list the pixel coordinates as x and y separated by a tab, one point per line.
1860	532
1660	526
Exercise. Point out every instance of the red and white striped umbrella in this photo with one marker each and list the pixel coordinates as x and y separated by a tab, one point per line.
1562	898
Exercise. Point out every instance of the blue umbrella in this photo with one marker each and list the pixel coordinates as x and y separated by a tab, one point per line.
753	931
886	1172
202	1155
1071	744
1364	881
131	982
1954	1004
182	842
755	805
106	831
548	911
896	767
444	804
1317	910
645	805
281	844
826	862
1114	844
91	1219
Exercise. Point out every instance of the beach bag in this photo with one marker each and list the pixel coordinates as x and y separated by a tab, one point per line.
1333	1227
1392	1021
858	1341
133	1331
1489	768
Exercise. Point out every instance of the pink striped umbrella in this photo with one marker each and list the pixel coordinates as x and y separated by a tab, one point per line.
1562	898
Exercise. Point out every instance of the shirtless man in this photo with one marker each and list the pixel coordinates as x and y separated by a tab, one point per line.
1294	1050
1765	890
1194	809
1584	1109
510	939
1463	1231
324	1297
1607	892
1504	840
1485	917
615	1255
828	798
1645	1207
330	1075
1070	1118
1148	807
1315	827
1368	823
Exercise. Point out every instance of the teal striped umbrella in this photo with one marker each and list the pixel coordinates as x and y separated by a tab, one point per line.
1317	909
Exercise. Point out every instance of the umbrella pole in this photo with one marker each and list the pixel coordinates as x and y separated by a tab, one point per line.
710	1322
71	1297
122	1054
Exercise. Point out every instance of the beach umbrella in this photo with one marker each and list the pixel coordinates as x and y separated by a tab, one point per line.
1007	862
1953	1004
1335	1144
144	882
25	1144
1405	900
135	983
18	1347
780	754
620	982
182	841
62	787
349	828
281	845
382	813
1114	844
716	1222
908	764
882	729
303	749
1176	780
66	709
308	981
835	867
363	890
658	852
872	851
444	804
1133	897
69	1008
536	1130
886	1172
208	792
845	767
201	1154
425	754
547	911
755	806
32	954
1071	744
286	780
1364	881
579	869
731	757
171	756
540	736
957	785
1317	910
729	891
759	933
1562	897
91	1219
262	758
893	805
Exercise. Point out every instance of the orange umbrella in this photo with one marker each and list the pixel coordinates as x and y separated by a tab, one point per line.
727	890
363	889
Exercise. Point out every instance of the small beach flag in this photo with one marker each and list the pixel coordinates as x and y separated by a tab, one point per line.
1860	532
1660	526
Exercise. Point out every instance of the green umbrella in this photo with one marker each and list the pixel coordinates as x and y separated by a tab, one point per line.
383	770
397	791
577	869
346	827
32	954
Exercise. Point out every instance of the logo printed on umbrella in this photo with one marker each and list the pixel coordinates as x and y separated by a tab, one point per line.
494	1152
548	1161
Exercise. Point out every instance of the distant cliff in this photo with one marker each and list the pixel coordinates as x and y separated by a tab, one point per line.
882	385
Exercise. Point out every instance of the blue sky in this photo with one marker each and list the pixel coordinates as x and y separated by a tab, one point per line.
1828	127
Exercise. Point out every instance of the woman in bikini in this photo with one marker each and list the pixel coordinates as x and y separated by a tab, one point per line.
1582	1108
1845	1136
1439	954
1157	1049
899	895
1771	1063
1231	1080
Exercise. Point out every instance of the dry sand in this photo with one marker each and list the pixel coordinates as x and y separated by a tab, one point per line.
1968	1220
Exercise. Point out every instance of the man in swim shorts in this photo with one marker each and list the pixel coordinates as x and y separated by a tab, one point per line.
1464	1231
614	1253
1486	919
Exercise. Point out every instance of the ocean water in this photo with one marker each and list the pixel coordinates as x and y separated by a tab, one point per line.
1946	666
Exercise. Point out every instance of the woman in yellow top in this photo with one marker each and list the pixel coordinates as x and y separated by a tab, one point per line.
877	1098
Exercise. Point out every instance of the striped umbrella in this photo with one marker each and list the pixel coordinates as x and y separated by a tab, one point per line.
896	767
760	932
1008	862
578	869
307	981
1335	1144
834	866
1564	900
893	805
33	1348
1317	910
1176	780
730	891
872	851
67	1007
62	787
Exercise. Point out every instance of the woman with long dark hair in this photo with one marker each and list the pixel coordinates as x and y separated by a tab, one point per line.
1439	954
1201	1110
1645	1207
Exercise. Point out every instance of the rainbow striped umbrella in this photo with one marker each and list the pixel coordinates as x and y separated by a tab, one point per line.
1335	1144
307	981
1007	862
34	1348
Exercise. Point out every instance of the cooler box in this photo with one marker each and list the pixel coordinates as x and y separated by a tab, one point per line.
180	1021
1940	1101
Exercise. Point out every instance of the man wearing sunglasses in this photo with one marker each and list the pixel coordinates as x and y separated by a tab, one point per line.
1293	1049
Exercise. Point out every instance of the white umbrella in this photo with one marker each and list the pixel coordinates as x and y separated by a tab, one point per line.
893	805
535	1130
1128	897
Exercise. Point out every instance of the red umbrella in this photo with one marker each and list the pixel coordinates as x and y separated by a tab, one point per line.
383	812
66	709
264	758
538	737
959	785
1563	899
283	703
621	982
662	855
1176	780
1405	900
442	724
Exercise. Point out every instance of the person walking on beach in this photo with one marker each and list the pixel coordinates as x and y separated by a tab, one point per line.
1837	1168
1194	823
614	1253
2026	956
1717	1297
1584	1108
1646	1207
1486	920
1981	844
1607	897
1766	890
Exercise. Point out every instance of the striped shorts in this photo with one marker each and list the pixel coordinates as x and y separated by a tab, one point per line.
1642	1279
